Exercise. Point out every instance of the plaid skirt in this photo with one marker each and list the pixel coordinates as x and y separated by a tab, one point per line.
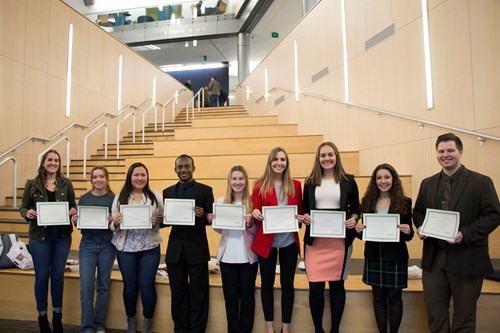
386	273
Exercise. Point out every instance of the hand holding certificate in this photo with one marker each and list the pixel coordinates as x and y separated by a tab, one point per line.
135	216
440	224
381	227
52	213
279	219
327	224
179	212
228	216
92	217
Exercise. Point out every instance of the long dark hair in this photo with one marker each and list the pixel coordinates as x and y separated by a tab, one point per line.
127	187
41	178
396	193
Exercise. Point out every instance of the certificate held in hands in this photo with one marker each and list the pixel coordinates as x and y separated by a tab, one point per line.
329	224
52	213
229	217
135	217
381	227
179	212
279	219
92	217
440	224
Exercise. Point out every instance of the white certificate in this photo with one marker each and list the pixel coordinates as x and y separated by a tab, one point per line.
381	227
92	217
441	224
228	216
52	213
135	217
179	212
279	219
326	223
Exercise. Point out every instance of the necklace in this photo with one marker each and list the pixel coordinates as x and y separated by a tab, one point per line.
385	202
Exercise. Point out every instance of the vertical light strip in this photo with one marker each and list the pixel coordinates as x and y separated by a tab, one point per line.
68	75
296	70
176	97
248	93
120	67
266	86
427	56
344	47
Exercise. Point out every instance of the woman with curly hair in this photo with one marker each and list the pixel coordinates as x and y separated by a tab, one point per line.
386	263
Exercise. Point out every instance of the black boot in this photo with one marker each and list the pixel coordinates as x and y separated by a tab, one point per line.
57	322
43	323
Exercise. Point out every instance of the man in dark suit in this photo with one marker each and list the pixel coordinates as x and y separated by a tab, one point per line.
456	268
188	254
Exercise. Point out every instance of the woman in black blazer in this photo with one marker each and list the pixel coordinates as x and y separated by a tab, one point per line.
386	263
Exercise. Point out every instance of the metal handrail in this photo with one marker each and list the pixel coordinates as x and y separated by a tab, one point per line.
163	112
14	192
85	147
67	153
192	104
118	132
45	140
144	119
421	122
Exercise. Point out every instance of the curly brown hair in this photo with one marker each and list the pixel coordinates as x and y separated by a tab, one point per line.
41	178
396	193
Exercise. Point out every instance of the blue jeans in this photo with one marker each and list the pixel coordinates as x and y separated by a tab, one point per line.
139	273
214	100
49	258
96	253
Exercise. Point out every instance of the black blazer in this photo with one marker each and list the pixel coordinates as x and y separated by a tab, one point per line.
349	202
475	198
393	250
191	239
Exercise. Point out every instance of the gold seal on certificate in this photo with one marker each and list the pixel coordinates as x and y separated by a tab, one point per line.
135	217
441	224
381	227
279	219
326	223
52	213
92	217
179	212
228	216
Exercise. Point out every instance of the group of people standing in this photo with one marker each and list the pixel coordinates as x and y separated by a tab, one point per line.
213	94
450	269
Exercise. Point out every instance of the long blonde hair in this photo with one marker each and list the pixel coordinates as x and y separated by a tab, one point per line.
287	188
317	171
246	199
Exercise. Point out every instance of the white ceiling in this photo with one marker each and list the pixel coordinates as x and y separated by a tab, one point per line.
280	17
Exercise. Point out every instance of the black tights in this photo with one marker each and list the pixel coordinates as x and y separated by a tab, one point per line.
317	303
384	298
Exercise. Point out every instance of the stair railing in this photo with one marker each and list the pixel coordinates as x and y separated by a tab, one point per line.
118	132
152	106
481	137
170	101
191	101
85	147
14	179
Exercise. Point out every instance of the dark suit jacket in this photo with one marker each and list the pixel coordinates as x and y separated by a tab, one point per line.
193	239
393	250
349	203
476	200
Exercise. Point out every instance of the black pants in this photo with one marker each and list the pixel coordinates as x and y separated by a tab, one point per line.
238	285
189	289
288	262
317	303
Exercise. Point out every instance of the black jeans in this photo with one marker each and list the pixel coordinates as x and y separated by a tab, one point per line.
288	262
238	284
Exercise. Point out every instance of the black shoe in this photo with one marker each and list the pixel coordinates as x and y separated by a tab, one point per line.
43	323
57	322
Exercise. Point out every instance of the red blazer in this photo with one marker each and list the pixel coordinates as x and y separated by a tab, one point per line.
262	242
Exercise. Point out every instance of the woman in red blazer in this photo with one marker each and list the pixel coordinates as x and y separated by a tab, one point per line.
276	188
